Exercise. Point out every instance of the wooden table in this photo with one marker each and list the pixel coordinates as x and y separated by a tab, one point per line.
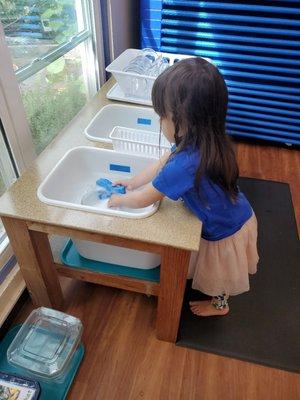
173	232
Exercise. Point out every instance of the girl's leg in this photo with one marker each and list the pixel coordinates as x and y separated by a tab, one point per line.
218	305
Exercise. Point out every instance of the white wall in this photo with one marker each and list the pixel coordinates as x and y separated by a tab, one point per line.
123	20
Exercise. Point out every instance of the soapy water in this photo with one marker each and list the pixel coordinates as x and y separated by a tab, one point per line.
91	198
102	190
96	196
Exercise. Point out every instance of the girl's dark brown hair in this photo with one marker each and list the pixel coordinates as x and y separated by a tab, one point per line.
193	93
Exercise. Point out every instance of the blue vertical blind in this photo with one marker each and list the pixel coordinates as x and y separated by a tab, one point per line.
256	46
150	23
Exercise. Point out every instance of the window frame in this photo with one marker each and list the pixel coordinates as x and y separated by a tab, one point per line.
12	112
60	50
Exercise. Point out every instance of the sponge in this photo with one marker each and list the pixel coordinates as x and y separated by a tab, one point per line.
109	188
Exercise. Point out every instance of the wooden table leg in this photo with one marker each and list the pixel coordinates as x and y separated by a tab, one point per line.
173	274
34	256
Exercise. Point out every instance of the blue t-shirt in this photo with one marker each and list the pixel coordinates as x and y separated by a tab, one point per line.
220	216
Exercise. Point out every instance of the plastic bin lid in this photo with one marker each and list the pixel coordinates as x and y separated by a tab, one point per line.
46	342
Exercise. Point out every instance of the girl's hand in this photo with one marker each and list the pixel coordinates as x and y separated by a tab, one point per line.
128	183
115	201
140	199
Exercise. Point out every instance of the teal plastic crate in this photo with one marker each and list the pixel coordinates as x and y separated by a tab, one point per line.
55	389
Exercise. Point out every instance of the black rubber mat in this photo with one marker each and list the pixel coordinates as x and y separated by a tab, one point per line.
263	325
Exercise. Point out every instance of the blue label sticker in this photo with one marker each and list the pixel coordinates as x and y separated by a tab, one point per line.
117	167
144	121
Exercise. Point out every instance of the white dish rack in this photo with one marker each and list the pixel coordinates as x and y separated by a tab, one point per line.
131	83
116	93
134	141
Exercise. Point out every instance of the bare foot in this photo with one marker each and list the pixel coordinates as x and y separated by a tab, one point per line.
206	309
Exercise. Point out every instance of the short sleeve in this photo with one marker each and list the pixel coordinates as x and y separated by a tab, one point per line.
174	180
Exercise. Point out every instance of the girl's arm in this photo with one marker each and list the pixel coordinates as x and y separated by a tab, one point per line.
146	175
139	199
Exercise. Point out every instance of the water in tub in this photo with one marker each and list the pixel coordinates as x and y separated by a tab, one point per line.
92	191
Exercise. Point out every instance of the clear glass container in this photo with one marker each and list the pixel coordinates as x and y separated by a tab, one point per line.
45	343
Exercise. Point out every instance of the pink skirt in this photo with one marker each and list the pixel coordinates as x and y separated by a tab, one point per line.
224	266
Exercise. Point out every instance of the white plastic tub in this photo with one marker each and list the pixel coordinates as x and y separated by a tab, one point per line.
76	173
125	79
141	118
133	141
117	255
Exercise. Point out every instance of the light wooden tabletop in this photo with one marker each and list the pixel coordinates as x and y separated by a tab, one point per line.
172	225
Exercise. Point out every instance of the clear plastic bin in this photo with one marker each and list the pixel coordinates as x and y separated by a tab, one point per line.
45	343
133	141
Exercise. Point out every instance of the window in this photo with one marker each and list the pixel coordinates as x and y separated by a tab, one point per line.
54	95
51	47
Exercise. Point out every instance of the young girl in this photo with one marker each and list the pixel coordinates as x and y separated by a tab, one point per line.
191	99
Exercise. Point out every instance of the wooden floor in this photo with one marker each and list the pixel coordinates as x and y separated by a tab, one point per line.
272	163
123	358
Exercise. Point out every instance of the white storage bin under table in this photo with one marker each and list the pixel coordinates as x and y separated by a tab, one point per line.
117	255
